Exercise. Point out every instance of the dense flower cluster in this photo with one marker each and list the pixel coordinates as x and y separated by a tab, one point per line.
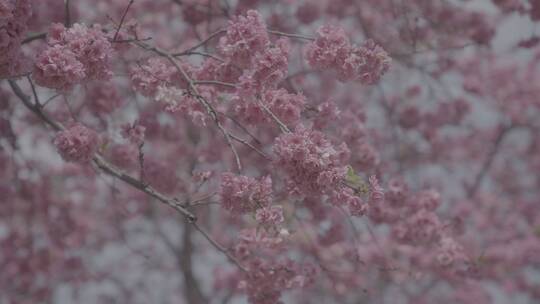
333	50
270	216
265	280
77	143
269	68
285	106
312	163
177	100
264	70
58	68
366	64
330	49
156	72
423	188
14	16
246	36
422	227
243	194
134	133
73	56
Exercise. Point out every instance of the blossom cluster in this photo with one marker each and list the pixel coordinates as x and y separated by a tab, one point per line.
268	68
311	162
77	143
243	194
422	189
333	50
156	72
14	16
265	281
285	106
245	37
74	55
177	100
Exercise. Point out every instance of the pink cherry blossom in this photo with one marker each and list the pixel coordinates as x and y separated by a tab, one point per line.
77	144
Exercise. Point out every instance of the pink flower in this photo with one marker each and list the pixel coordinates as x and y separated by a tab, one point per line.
58	68
269	68
267	279
74	55
246	35
366	64
243	194
77	144
123	155
449	252
423	227
6	10
14	16
176	100
346	197
134	133
330	49
428	199
148	77
89	44
286	106
272	215
333	50
213	69
397	192
311	162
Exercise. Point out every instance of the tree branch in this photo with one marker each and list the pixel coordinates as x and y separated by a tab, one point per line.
128	179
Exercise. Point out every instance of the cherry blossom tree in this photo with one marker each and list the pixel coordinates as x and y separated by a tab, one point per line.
288	151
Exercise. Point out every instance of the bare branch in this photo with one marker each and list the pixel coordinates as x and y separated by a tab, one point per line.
488	162
122	19
297	36
67	12
198	45
36	36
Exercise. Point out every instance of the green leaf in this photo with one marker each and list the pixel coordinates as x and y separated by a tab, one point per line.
355	181
352	178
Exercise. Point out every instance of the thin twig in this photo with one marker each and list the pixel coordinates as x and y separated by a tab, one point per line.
219	247
109	169
141	163
200	54
215	82
36	98
67	11
50	99
297	36
198	45
33	37
209	109
488	162
102	163
281	125
122	19
250	146
238	124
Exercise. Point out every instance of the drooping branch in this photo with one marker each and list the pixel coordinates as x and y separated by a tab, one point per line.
193	88
109	169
